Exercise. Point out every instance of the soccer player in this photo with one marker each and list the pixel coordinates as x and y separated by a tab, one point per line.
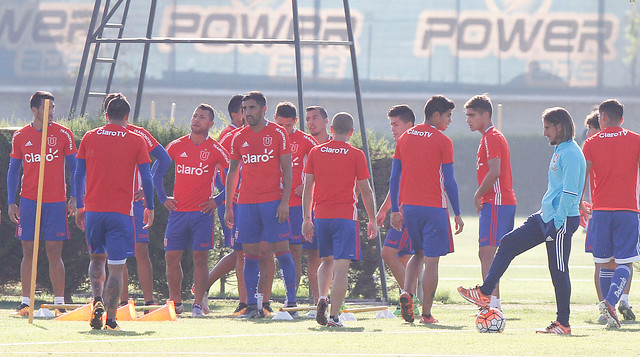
25	152
191	209
612	160
422	162
553	225
494	199
396	249
301	144
317	121
141	234
333	170
108	157
263	203
235	113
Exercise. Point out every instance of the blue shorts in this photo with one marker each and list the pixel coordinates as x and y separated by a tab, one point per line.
399	240
257	222
429	229
141	234
110	233
295	219
615	235
230	240
337	237
189	228
495	222
588	239
53	222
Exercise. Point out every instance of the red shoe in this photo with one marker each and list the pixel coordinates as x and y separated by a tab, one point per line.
424	319
406	304
475	296
556	328
610	313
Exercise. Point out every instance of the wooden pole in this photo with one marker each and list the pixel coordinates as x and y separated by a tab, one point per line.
36	236
365	309
500	117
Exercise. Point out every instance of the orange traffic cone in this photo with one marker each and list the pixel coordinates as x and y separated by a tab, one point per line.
165	313
127	312
83	313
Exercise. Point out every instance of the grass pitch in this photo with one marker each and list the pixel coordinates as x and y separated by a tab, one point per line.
528	304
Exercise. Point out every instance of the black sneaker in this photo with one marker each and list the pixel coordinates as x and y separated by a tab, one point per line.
321	312
293	314
149	303
253	312
96	315
266	309
22	310
112	325
240	310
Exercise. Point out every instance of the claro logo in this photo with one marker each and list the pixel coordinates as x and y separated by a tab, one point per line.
192	170
253	159
36	157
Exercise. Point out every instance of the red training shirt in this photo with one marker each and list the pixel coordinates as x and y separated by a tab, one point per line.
301	144
494	145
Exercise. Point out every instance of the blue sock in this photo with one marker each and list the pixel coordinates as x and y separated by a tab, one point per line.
605	281
618	283
288	269
251	276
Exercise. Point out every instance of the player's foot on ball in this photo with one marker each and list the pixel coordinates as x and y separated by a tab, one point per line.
406	304
321	311
266	309
610	313
626	311
253	312
196	310
334	321
240	310
96	315
475	296
556	328
428	319
22	310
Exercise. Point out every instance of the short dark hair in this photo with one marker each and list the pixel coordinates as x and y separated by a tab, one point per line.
257	96
481	103
286	110
592	120
403	112
559	115
234	104
207	107
437	103
38	97
342	123
107	99
613	108
323	113
118	107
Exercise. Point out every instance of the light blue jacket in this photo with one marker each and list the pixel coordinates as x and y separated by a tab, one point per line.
566	181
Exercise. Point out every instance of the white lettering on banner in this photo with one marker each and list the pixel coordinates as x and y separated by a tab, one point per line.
419	133
29	158
329	150
253	158
117	133
192	170
613	135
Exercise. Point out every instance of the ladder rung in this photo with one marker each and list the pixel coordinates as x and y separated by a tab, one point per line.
105	60
112	25
97	94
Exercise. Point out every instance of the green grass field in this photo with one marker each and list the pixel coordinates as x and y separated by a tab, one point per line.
528	304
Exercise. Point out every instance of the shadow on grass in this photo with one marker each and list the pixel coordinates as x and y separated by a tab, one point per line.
440	326
116	333
336	329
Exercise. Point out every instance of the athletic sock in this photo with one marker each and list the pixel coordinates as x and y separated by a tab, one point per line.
605	281
618	282
58	300
624	298
259	299
495	302
251	277
288	269
26	300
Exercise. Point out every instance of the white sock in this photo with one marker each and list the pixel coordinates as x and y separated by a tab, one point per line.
259	298
26	300
58	300
495	302
624	299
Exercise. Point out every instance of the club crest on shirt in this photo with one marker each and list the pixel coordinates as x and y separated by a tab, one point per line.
52	140
267	141
204	155
294	148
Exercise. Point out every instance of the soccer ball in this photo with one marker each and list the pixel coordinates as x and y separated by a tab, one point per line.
490	320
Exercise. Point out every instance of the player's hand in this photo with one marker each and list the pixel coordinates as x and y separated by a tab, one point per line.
298	190
550	230
283	211
382	214
14	213
586	207
397	221
459	224
80	218
208	206
372	229
71	207
477	201
228	216
307	230
138	195
148	218
171	204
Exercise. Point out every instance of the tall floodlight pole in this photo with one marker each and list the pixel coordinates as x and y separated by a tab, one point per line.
296	39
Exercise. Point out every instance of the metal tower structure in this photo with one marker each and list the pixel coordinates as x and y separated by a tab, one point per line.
103	23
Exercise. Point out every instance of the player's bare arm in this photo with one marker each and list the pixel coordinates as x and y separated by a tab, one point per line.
382	212
14	213
148	218
307	223
283	207
71	207
584	205
298	190
80	218
459	224
229	191
488	181
369	206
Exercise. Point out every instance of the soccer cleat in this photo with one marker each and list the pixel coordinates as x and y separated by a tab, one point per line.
556	328
96	315
240	310
124	303
205	304
59	312
311	314
253	313
293	314
321	311
626	311
112	326
334	322
196	310
610	313
179	308
475	296
22	310
266	309
406	304
424	319
602	320
398	311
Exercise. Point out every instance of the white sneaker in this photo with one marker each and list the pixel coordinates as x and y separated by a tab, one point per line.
196	310
602	320
312	314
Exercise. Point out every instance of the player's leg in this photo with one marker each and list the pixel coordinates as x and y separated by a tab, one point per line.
174	274
55	230
97	274
296	255
324	242
429	286
623	307
177	238
265	281
296	240
113	289
339	286
390	256
124	296
202	238
223	267
56	267
313	263
25	276
145	271
249	229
